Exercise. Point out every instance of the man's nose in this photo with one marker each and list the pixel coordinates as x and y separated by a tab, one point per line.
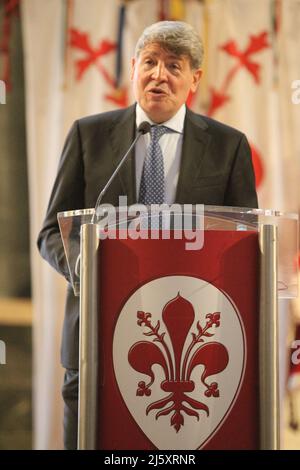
159	72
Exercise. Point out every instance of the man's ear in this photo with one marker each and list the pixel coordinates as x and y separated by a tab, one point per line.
133	62
196	79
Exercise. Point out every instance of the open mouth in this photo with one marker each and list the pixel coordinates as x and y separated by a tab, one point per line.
157	91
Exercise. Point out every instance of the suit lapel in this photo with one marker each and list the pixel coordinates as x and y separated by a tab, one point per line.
194	146
122	133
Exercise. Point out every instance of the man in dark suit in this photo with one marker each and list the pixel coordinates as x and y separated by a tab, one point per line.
203	162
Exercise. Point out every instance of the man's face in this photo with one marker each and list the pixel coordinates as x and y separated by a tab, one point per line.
162	81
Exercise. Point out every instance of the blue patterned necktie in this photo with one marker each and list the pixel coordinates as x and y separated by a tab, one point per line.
152	188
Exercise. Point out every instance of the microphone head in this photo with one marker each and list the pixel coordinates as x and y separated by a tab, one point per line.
144	127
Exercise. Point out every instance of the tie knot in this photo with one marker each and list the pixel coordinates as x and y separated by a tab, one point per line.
158	131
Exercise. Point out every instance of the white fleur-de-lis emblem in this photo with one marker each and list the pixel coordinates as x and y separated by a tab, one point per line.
179	359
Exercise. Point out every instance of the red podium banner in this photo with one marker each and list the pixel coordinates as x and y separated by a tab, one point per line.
178	343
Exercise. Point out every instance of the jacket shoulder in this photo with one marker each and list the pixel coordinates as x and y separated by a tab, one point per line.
104	119
213	126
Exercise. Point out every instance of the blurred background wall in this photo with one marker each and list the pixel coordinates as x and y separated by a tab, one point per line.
63	59
15	281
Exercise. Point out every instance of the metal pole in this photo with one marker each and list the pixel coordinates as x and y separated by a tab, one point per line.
88	337
268	341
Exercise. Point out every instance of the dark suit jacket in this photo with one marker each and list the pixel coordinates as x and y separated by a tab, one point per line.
216	169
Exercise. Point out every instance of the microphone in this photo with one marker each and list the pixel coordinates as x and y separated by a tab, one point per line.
143	128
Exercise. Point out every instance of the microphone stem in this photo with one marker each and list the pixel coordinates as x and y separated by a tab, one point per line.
113	176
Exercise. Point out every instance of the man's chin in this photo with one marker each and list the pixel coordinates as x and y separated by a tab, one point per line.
159	113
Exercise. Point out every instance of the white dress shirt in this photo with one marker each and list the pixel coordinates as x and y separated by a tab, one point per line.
171	146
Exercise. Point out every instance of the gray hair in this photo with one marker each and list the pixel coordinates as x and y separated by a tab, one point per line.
175	36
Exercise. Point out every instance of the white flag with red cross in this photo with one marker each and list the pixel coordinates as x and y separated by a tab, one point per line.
241	75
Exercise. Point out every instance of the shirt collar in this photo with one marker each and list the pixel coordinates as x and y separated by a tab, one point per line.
176	123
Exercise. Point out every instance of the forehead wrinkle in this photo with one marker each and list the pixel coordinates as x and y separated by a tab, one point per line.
170	55
159	49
